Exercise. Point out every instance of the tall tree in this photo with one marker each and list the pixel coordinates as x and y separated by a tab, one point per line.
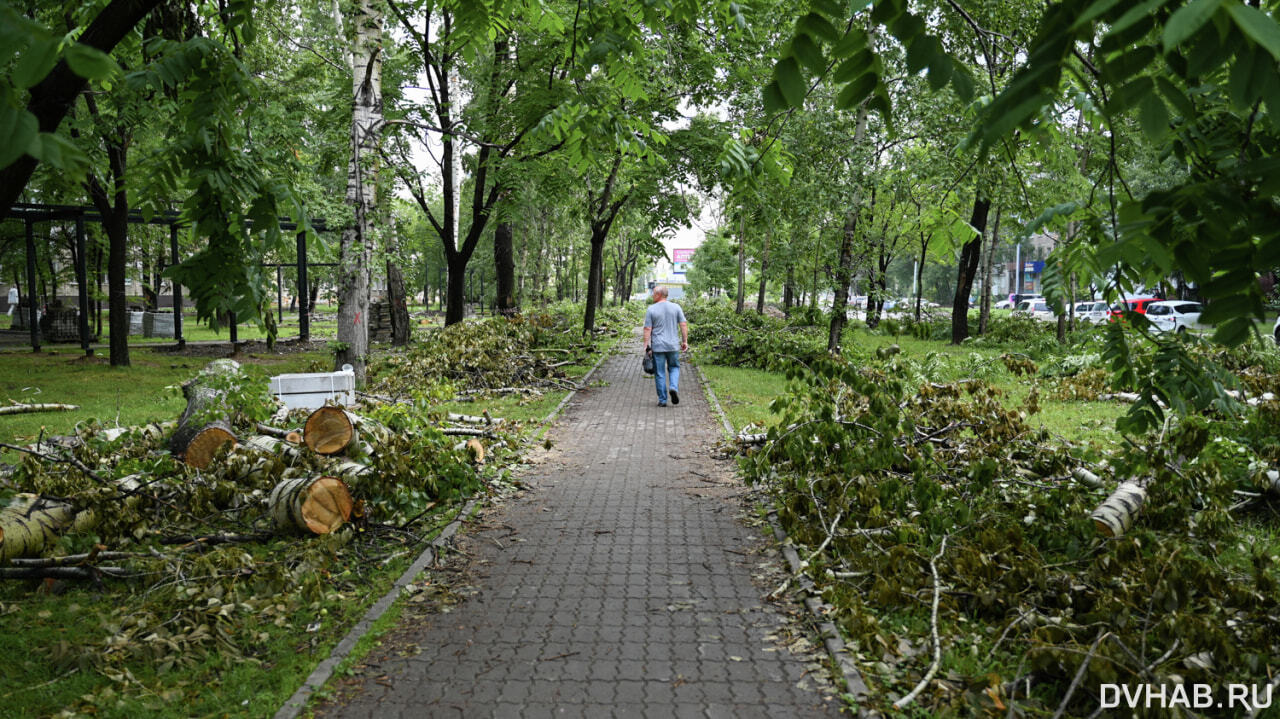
355	251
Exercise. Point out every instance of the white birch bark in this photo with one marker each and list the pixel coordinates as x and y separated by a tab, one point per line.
355	252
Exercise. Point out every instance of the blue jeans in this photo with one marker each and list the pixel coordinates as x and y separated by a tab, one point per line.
662	362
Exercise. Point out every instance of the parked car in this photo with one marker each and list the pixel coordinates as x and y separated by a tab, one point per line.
1037	308
1094	311
1175	315
1132	304
1276	330
1003	305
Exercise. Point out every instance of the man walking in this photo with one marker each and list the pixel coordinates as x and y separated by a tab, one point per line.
666	333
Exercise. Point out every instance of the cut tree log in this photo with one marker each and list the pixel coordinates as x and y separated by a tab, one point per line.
334	430
1085	477
1116	514
46	407
32	524
319	505
473	419
203	428
476	449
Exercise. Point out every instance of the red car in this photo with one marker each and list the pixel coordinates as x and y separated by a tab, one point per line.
1132	304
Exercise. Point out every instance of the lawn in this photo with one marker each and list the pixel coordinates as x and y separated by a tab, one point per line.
146	391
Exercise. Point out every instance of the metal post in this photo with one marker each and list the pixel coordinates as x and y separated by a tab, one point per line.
177	288
304	291
279	297
31	288
1017	260
82	280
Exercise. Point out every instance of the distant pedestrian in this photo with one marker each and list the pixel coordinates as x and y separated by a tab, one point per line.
13	299
666	333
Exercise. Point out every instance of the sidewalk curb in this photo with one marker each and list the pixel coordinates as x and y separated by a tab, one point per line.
295	705
849	675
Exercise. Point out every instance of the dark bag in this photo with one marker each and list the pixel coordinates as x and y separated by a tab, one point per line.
647	364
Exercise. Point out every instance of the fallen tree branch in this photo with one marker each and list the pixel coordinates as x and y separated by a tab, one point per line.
1075	681
91	573
71	559
45	407
212	539
933	629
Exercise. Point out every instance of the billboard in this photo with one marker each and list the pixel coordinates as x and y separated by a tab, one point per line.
680	260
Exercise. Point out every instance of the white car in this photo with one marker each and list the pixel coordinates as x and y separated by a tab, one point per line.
1037	308
1276	330
1175	315
1095	312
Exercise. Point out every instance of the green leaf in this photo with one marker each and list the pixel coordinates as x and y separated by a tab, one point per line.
853	41
18	129
961	80
851	68
1128	95
855	92
1187	20
1097	9
818	27
1153	116
59	152
920	53
36	62
790	82
1136	13
809	54
1240	85
1258	26
773	99
90	62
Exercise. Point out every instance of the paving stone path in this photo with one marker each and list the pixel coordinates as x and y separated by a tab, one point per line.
620	584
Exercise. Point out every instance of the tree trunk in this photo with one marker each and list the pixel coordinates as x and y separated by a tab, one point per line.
400	325
844	275
968	267
984	314
593	279
505	268
357	239
742	260
764	269
316	505
28	528
203	428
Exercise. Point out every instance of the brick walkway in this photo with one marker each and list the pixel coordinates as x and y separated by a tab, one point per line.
618	585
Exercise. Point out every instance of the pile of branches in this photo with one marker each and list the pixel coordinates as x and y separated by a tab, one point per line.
525	354
214	546
1051	570
721	336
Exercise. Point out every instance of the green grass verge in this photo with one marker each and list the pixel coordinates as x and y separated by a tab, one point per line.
146	391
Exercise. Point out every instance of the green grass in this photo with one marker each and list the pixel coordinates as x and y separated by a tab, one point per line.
745	393
143	392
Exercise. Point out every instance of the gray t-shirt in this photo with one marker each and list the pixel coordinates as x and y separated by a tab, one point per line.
664	319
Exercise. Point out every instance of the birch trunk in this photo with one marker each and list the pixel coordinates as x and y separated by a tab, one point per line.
356	243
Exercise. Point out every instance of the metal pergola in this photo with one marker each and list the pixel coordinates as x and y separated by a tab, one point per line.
31	213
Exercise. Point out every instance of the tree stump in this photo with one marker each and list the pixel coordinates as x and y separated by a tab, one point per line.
316	505
204	427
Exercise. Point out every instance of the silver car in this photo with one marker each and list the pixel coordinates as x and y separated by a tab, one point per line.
1094	311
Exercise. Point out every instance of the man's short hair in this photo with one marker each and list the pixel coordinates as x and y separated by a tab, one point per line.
660	291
